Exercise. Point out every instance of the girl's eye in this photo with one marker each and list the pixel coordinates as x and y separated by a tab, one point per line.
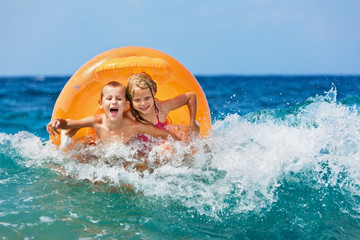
147	98
136	100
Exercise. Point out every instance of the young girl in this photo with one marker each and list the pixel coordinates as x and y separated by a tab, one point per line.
141	90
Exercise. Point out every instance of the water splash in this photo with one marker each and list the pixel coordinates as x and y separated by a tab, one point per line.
242	167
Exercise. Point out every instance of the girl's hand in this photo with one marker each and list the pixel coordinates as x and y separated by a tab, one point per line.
194	127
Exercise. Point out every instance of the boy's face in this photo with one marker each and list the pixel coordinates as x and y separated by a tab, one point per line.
113	101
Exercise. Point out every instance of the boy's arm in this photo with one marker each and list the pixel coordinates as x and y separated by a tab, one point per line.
186	98
60	123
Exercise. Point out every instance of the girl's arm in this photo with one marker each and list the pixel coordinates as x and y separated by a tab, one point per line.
187	98
60	123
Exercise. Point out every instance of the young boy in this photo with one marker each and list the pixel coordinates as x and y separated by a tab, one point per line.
113	123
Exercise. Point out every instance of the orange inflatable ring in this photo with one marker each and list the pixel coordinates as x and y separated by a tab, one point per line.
79	97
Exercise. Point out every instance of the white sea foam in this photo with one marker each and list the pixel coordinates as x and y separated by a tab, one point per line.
239	167
45	219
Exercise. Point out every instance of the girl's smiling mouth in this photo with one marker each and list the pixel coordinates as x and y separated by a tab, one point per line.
144	108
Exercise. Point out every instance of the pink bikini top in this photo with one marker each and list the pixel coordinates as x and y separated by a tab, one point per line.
160	125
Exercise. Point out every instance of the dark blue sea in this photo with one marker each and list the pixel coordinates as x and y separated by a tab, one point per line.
282	162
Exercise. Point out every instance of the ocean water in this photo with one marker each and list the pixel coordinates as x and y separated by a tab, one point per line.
282	162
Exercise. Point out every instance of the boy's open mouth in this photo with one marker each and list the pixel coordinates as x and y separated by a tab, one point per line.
114	111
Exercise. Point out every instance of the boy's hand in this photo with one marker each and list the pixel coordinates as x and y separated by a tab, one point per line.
53	126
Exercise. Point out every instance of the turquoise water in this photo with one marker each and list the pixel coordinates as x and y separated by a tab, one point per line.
282	163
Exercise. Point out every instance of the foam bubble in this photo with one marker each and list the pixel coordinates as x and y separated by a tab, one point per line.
45	219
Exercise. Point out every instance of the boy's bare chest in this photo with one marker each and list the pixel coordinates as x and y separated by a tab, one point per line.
123	133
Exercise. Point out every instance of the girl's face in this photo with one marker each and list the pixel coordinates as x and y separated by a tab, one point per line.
142	100
113	102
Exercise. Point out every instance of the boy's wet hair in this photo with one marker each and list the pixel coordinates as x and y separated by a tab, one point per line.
141	80
113	84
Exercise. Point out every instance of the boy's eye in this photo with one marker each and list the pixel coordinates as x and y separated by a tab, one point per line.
119	98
